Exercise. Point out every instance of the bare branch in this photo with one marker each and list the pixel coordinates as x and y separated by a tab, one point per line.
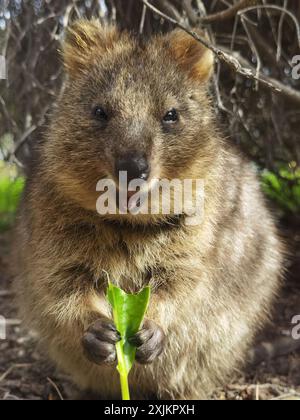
223	56
287	91
142	24
278	9
229	13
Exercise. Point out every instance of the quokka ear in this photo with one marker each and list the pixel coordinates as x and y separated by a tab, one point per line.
192	56
84	40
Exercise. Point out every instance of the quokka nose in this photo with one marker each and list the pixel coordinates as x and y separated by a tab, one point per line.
137	167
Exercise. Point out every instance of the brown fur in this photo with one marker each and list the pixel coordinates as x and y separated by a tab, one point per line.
212	284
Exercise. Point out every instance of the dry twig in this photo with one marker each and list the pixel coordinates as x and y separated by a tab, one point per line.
225	57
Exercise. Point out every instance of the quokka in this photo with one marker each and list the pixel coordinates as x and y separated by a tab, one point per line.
144	108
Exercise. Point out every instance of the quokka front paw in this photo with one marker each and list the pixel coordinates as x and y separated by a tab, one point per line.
149	341
99	342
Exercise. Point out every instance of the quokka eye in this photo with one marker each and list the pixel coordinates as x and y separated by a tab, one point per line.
171	116
100	114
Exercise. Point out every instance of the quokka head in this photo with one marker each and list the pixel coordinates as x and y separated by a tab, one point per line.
129	105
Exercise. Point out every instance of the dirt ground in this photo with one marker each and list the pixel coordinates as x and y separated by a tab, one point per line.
26	375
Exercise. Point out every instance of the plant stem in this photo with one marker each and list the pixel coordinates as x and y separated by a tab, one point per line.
122	371
125	388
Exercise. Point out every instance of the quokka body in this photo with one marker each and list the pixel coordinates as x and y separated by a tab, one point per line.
145	106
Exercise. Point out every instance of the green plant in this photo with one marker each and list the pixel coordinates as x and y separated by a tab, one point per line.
284	187
10	192
128	314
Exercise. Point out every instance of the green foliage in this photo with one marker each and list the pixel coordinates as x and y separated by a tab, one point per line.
128	313
11	187
284	187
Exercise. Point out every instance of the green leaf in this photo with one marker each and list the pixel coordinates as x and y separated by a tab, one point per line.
10	192
128	313
272	180
283	187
